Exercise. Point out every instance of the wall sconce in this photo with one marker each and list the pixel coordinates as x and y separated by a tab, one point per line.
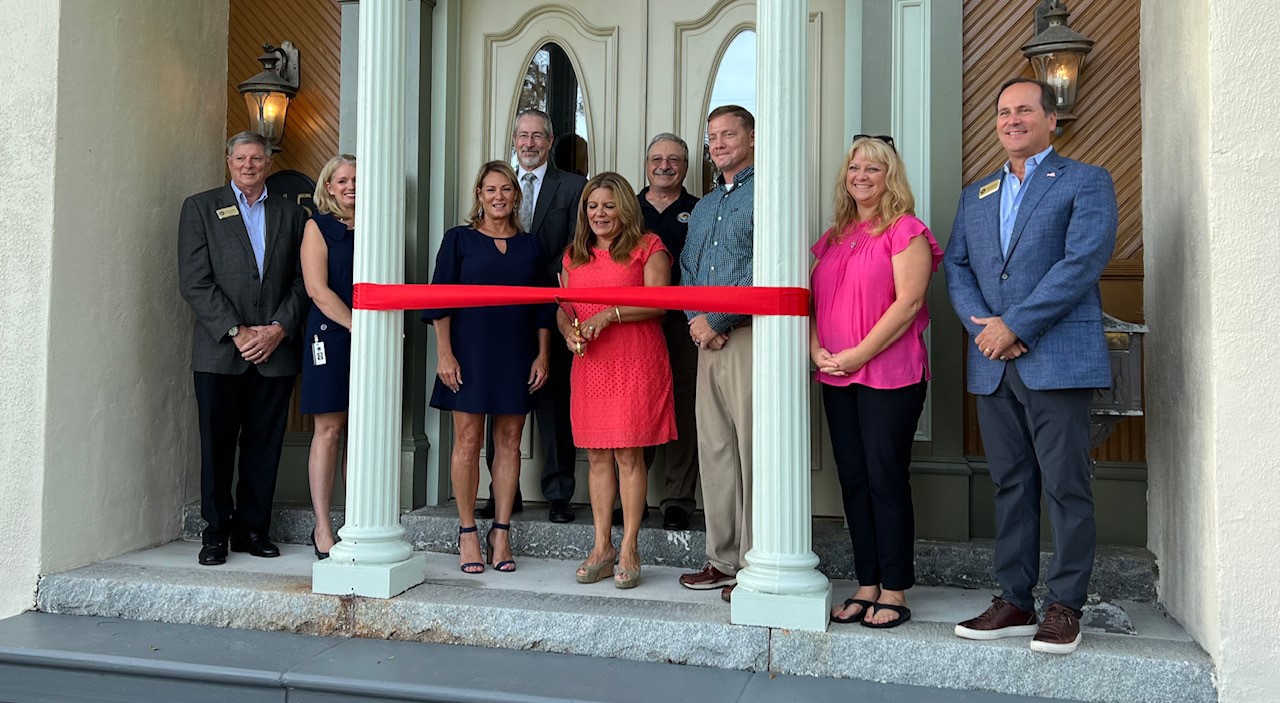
268	93
1057	56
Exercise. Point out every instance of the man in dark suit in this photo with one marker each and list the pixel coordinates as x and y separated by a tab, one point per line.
550	211
1026	253
239	270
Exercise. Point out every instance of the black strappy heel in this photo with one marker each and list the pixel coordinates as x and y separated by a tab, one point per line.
506	566
470	567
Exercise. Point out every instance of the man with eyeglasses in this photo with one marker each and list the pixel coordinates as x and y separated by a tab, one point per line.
719	252
666	207
549	210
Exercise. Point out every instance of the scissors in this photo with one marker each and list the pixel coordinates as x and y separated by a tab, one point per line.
572	313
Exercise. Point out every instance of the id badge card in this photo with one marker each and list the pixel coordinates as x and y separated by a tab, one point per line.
317	351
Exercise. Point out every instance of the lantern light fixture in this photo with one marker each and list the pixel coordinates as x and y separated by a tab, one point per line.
1057	56
267	94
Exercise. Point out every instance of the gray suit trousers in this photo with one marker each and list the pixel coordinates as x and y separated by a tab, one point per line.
1039	440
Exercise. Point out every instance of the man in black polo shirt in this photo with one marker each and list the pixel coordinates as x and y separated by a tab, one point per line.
666	206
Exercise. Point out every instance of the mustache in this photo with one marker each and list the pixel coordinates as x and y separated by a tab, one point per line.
664	172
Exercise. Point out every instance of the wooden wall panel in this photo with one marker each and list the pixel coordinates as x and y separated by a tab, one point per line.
1108	133
315	28
311	125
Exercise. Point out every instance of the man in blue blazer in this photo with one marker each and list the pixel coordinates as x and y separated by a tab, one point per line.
239	270
1026	252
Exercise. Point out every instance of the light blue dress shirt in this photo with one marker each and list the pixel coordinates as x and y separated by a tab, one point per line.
255	221
1011	197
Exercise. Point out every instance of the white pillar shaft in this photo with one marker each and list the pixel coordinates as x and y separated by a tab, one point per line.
781	586
373	557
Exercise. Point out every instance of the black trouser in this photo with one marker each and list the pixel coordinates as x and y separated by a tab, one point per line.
248	411
554	428
871	435
1040	440
681	472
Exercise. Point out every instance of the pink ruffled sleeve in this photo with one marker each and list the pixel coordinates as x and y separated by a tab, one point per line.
820	247
909	227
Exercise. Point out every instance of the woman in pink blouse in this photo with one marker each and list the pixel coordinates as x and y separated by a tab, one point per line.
870	276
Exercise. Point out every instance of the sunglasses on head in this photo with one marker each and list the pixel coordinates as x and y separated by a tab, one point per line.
882	137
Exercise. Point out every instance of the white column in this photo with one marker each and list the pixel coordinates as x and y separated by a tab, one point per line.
373	558
781	586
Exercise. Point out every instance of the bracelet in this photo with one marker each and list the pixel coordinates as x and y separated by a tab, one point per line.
617	312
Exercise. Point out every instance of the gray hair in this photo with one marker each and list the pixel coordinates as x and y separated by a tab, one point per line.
668	137
534	112
248	138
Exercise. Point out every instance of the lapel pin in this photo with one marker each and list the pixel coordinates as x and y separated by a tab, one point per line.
1051	174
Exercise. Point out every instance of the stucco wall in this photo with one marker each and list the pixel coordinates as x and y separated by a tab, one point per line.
27	132
140	126
1212	364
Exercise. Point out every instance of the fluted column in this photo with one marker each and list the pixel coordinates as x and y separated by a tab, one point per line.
373	558
781	586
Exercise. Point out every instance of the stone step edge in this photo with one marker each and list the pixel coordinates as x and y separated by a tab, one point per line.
1107	669
1120	573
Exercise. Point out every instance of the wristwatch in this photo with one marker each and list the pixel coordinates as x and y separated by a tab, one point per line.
235	329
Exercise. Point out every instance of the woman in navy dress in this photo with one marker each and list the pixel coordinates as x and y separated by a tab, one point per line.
327	251
490	359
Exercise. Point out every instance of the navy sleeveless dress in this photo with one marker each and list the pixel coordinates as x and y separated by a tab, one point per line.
325	388
495	346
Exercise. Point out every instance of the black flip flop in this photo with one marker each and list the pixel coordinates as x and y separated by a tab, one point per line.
866	604
904	614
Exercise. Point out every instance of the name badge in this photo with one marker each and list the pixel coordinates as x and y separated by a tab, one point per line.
317	352
988	189
229	211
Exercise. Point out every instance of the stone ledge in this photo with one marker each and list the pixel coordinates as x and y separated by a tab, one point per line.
540	609
1120	573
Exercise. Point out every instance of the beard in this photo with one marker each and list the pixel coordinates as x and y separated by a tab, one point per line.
530	161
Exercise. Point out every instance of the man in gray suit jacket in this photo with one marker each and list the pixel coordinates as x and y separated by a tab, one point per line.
1026	253
239	270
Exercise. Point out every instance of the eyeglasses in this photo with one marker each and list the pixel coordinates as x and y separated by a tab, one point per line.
531	136
659	160
882	137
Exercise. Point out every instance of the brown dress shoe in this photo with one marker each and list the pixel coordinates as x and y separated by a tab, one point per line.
1002	619
707	579
726	593
1059	633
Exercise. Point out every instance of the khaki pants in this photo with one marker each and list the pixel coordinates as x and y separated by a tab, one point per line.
724	449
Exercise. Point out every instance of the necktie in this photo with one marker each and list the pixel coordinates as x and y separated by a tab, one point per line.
526	202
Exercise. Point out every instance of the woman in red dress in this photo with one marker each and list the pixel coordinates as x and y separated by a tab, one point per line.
621	399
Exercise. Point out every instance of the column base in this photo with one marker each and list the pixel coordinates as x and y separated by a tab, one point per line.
793	611
371	580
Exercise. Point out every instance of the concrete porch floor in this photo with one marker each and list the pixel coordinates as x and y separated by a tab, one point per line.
1131	651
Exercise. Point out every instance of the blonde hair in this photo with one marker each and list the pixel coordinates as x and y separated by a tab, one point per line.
629	217
477	210
897	199
324	202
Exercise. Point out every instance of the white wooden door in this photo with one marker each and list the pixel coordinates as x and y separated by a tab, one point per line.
643	67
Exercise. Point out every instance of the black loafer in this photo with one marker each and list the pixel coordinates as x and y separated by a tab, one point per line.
255	544
213	554
560	511
675	518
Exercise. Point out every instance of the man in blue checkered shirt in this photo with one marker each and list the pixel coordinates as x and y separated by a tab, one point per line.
718	253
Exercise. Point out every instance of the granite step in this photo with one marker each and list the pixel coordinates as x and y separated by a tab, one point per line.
59	657
1120	573
1132	652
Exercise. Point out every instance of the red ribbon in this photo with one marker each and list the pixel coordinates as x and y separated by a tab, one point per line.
740	300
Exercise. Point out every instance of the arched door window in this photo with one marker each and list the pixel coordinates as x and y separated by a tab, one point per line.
735	84
551	85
